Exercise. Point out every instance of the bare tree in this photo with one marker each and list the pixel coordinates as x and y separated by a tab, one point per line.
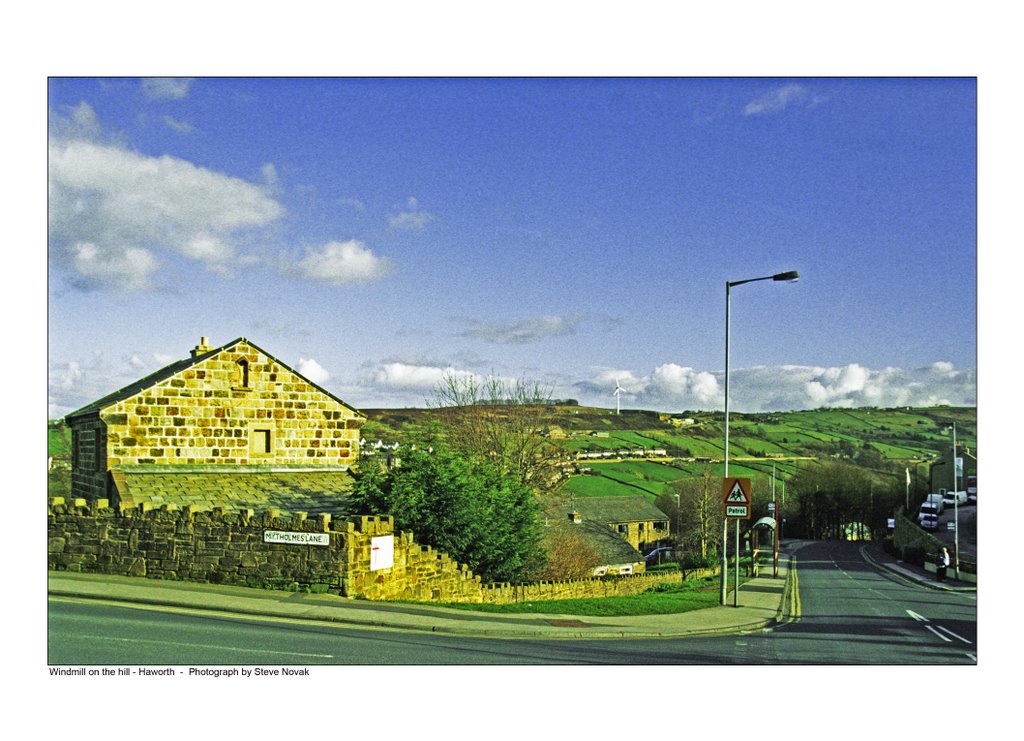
700	503
570	554
504	422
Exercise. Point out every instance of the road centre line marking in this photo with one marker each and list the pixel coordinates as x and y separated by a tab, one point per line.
215	647
947	640
961	638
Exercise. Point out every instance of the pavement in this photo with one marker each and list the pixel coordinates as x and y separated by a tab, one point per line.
763	602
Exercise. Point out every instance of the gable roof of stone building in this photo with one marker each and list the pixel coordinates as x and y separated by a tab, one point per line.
307	489
177	367
618	509
609	547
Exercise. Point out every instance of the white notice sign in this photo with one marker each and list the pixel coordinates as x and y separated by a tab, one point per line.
290	538
382	552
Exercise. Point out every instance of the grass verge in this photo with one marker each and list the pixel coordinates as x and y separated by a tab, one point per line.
670	598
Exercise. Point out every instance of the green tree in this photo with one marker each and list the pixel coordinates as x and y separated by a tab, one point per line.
464	507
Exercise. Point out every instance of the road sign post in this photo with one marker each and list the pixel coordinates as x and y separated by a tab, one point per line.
735	506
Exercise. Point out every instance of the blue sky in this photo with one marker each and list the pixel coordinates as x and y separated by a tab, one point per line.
376	233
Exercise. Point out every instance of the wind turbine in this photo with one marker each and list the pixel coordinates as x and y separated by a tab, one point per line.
618	390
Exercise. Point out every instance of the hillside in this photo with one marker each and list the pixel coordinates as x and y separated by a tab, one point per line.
896	434
643	451
606	448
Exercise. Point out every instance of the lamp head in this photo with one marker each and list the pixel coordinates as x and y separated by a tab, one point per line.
790	276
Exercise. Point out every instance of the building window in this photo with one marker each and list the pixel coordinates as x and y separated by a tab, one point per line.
243	373
623	528
261	442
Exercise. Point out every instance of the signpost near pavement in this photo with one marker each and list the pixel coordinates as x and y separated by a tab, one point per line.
736	506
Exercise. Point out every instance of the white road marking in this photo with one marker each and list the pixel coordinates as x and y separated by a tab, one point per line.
971	656
947	640
215	647
961	638
918	618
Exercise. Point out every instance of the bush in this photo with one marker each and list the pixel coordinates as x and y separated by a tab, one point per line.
694	561
465	508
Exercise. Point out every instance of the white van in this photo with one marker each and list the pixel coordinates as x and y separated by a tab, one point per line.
938	500
954	497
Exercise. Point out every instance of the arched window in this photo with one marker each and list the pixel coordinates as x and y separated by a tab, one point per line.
243	373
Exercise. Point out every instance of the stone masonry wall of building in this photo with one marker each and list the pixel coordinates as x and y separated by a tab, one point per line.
89	459
236	407
229	548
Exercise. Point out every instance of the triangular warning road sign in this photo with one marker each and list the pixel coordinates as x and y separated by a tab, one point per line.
736	495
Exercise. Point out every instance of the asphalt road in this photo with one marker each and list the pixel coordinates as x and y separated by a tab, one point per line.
852	612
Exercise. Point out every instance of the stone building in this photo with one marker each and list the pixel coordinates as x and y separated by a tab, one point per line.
635	519
229	426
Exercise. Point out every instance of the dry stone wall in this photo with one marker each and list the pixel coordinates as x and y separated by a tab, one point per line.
208	546
231	548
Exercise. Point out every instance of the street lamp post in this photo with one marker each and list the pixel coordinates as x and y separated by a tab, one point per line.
789	276
956	512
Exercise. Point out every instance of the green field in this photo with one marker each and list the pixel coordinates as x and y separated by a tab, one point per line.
787	441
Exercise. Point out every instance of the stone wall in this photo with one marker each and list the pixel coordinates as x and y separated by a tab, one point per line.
89	459
207	546
912	543
229	548
578	588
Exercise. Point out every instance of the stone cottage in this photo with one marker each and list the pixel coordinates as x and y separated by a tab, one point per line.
229	426
635	519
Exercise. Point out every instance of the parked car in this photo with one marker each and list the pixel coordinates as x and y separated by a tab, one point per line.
660	555
937	500
928	517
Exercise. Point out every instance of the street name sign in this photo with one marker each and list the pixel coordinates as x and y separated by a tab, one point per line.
736	498
293	538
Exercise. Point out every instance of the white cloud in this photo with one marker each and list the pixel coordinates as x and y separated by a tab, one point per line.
128	268
776	100
269	173
412	219
672	387
111	211
528	330
338	263
70	375
166	88
408	377
313	371
182	127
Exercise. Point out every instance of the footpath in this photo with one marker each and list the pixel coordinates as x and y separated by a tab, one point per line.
763	602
